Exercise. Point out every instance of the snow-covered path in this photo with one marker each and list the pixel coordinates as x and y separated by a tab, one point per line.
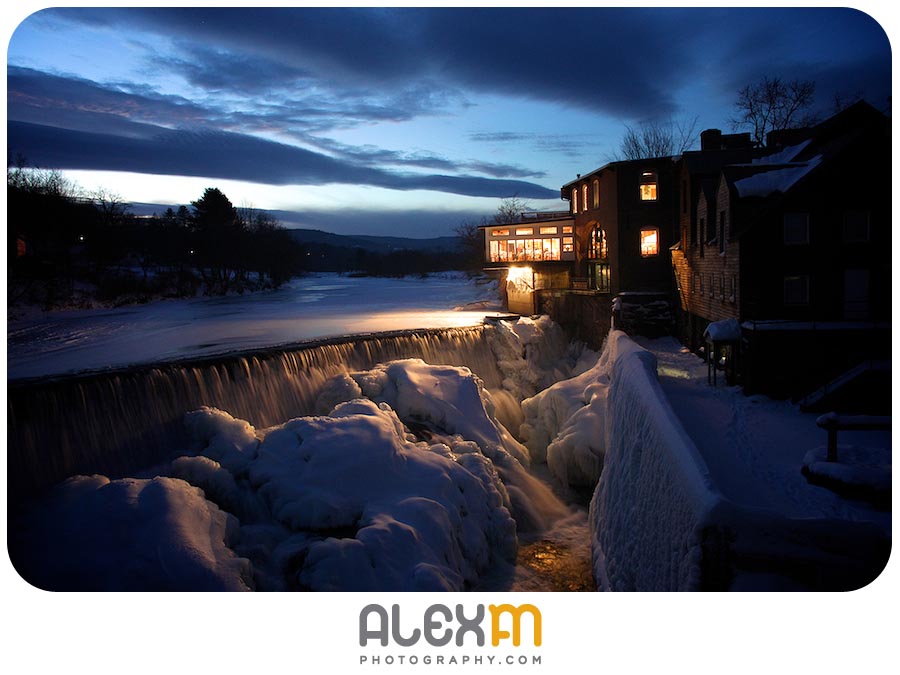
317	306
754	446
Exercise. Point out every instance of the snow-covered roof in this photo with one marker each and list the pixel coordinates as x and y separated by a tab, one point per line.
777	180
726	330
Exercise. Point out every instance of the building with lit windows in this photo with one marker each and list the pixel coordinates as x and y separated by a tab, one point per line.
534	254
625	217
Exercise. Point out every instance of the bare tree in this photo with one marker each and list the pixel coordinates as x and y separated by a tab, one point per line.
774	105
110	205
471	242
658	139
510	211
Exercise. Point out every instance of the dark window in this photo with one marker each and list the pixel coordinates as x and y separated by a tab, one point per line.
796	290
856	226
796	228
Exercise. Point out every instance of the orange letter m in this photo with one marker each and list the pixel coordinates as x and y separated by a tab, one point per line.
516	613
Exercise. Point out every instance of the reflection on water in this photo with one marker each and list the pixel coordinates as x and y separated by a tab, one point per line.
559	567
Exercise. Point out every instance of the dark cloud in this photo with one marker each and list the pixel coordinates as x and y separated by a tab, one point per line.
626	63
233	156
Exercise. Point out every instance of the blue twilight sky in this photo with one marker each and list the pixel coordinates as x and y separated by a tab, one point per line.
395	121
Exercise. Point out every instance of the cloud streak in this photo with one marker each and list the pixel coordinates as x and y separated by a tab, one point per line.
233	156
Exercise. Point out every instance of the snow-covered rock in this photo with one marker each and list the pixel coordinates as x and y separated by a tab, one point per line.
160	534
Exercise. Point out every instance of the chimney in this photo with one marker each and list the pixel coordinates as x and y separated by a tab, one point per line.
711	139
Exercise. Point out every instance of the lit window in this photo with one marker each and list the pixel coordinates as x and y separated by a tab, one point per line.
524	231
567	229
599	276
575	200
495	251
598	245
584	196
568	245
796	228
596	186
649	241
500	233
549	230
648	186
796	290
856	226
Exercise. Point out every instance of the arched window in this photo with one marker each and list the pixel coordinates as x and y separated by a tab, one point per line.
596	188
598	246
574	200
584	196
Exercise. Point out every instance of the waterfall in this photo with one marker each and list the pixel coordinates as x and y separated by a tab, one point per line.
118	422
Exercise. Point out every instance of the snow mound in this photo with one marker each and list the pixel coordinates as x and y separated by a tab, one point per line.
449	405
380	511
565	425
863	473
160	534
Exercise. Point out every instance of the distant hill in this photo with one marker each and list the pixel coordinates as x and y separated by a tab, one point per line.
375	244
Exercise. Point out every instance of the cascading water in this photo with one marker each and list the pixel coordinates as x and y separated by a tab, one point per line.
118	422
125	422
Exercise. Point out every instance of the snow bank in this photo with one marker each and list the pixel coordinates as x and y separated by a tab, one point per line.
565	425
655	495
93	534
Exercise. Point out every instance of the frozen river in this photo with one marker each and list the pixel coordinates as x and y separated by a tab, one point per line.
309	308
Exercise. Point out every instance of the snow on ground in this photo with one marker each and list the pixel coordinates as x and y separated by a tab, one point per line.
311	307
406	481
701	487
755	446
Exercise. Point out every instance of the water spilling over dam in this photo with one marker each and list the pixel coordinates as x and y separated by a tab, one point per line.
121	421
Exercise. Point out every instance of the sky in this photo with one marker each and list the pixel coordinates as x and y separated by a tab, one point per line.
402	121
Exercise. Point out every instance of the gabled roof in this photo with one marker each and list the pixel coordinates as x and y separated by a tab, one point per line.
762	184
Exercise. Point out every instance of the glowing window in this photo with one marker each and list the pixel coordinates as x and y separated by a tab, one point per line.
598	245
549	230
584	196
649	241
596	187
522	231
567	229
500	233
495	251
568	245
648	186
574	200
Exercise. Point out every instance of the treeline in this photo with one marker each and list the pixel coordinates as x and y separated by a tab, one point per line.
66	248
